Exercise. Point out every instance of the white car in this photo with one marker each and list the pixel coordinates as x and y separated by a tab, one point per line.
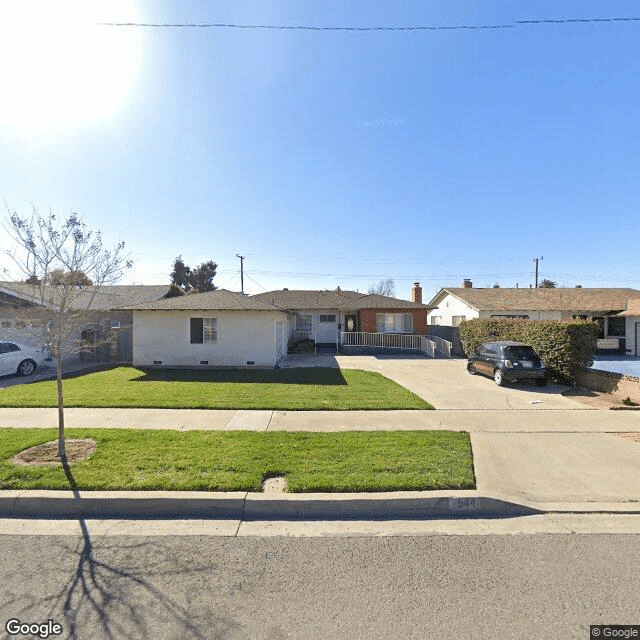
20	359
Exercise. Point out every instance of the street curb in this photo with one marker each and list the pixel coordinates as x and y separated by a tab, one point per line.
243	506
258	506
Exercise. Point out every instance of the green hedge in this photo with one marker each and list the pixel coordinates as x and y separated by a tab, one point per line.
563	345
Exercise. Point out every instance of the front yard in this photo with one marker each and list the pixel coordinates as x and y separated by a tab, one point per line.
240	461
286	389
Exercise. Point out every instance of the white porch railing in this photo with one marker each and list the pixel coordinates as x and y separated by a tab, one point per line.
303	335
428	345
388	341
443	346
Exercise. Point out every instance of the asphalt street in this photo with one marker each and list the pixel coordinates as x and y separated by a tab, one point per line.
280	588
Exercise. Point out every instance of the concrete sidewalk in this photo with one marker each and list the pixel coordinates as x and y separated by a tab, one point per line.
532	420
525	461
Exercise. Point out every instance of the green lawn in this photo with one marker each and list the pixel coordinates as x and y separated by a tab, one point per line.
286	389
227	461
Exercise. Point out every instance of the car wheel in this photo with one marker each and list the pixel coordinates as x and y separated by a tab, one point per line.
498	377
471	369
542	382
26	368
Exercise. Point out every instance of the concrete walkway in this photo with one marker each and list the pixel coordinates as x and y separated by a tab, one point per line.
535	450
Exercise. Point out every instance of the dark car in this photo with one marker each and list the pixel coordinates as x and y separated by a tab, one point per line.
508	361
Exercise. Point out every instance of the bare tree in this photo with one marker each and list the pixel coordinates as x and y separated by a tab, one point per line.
384	288
46	247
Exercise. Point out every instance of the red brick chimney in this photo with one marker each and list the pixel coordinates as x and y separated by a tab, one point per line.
467	284
416	293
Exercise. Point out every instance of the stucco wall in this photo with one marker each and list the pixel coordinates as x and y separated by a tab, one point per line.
325	331
242	337
449	307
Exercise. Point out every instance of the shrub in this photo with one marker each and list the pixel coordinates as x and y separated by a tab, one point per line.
563	345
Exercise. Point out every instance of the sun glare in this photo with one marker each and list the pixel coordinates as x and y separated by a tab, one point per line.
58	69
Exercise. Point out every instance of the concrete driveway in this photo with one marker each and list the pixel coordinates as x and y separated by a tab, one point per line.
447	385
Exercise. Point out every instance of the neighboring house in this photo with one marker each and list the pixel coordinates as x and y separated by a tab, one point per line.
323	314
106	318
212	329
603	305
631	316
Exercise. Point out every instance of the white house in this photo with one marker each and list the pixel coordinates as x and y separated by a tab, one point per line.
213	329
603	305
631	317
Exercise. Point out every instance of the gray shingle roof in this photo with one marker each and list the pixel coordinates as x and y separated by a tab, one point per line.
560	299
633	308
104	298
219	300
333	299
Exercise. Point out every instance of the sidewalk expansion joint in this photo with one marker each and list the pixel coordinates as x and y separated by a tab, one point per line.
270	419
228	422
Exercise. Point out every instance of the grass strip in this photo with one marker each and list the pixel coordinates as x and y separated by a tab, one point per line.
283	389
239	461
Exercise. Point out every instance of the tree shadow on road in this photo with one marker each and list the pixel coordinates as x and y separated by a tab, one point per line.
118	599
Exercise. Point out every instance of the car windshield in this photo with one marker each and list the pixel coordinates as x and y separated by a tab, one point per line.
521	353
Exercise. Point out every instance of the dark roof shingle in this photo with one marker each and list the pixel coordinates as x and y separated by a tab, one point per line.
218	300
105	298
333	299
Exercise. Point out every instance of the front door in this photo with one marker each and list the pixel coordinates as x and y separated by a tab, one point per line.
350	322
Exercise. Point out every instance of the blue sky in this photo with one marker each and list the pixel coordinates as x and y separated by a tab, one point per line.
334	158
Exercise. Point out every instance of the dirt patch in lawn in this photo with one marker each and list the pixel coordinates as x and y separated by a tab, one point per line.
47	453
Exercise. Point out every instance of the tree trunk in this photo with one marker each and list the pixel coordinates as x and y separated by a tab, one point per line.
62	454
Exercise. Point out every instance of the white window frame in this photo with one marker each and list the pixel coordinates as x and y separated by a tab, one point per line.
394	323
456	320
210	330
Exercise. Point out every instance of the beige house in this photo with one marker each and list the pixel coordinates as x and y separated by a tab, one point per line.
618	333
214	329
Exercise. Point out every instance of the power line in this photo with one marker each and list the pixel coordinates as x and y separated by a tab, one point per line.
461	27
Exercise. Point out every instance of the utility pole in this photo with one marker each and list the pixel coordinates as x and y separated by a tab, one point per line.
536	261
241	271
